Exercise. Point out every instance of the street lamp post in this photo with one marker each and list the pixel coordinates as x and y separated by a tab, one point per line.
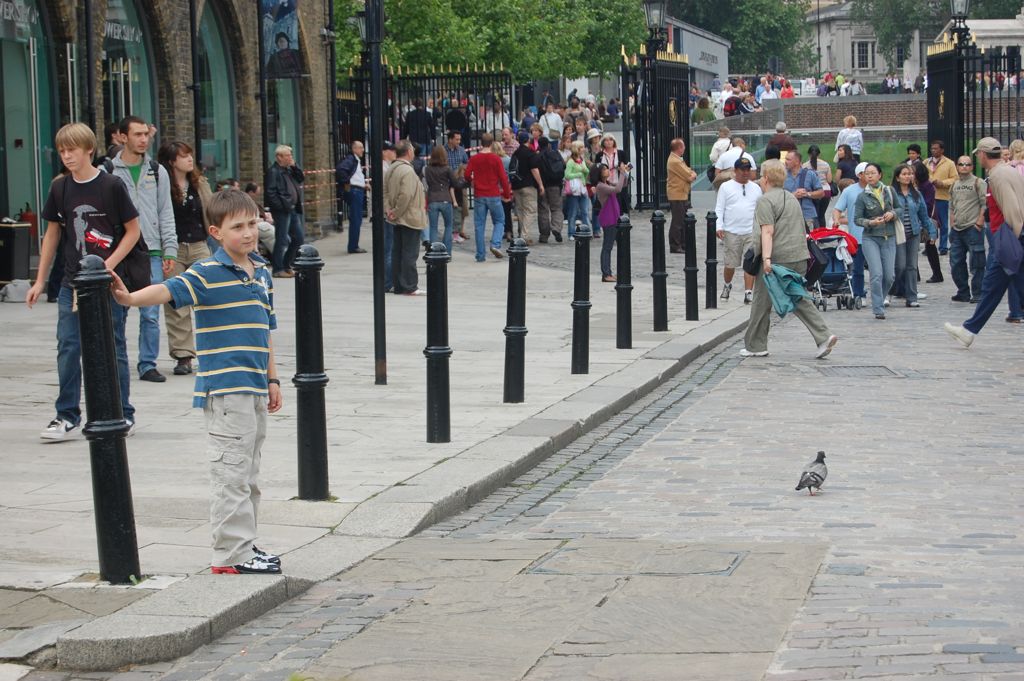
371	23
958	10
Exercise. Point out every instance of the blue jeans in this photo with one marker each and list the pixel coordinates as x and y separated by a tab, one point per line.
69	359
907	254
1013	298
354	198
577	207
441	208
967	249
880	255
993	286
606	250
149	322
288	237
858	274
942	214
389	240
481	207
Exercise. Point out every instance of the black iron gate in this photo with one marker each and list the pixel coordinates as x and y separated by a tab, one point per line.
970	95
464	98
658	87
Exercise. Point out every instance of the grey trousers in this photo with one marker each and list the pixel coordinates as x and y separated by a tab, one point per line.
549	212
236	426
756	339
405	250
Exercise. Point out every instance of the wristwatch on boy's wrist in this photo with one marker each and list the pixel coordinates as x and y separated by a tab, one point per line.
274	381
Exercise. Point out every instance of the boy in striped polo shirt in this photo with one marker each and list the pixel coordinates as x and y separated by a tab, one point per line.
236	385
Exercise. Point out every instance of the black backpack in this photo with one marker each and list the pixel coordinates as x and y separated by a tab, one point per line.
513	169
552	167
134	270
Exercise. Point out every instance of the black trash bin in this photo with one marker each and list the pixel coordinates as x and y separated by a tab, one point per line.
14	249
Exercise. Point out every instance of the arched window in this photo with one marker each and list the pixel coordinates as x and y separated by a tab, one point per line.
128	75
27	116
216	115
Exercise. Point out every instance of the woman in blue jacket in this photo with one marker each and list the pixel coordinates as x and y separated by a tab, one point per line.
912	210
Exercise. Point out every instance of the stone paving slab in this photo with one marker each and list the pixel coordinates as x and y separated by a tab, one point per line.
388	483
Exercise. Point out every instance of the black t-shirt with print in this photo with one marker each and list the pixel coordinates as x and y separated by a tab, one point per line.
528	160
90	213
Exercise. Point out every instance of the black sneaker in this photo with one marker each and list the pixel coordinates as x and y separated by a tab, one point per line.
256	566
183	367
558	235
153	376
268	557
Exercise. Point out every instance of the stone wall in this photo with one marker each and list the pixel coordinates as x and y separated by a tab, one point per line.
168	24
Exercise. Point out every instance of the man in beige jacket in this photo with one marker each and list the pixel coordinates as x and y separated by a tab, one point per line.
677	188
405	207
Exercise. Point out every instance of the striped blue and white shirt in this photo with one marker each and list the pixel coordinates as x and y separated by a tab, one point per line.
234	317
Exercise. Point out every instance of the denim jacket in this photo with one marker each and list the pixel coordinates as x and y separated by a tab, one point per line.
918	212
868	208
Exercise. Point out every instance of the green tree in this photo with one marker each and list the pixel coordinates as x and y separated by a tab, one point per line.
757	29
894	21
995	9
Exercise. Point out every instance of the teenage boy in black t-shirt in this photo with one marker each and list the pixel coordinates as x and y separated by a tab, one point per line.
83	211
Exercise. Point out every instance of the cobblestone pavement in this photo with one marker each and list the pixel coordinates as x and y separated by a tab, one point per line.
919	570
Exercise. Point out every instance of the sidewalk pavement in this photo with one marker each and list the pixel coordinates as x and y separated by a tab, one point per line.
387	481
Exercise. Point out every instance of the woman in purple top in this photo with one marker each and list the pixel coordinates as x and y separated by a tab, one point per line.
608	216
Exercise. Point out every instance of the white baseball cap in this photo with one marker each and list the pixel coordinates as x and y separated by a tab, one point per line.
861	167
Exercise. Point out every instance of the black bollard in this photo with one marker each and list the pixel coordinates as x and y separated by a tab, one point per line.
106	427
658	272
711	282
690	243
623	286
437	352
581	303
515	323
310	379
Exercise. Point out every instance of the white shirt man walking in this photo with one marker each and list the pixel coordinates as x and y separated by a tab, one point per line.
737	199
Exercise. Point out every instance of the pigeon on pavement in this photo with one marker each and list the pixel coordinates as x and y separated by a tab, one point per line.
813	476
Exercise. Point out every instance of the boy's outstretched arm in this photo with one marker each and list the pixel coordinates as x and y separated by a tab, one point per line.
151	295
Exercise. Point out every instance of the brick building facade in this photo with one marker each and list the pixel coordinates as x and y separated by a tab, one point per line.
143	65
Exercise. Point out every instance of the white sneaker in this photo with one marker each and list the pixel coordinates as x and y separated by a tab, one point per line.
726	290
747	353
60	430
748	297
960	333
131	428
826	347
922	296
887	301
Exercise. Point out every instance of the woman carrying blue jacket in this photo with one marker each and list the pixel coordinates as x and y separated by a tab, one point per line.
912	210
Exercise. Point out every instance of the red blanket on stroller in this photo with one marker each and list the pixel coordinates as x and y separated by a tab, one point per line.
851	241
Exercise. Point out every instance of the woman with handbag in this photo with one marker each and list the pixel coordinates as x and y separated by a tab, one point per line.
577	201
874	212
912	211
608	216
779	239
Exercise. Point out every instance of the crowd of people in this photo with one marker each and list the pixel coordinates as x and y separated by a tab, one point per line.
929	205
539	178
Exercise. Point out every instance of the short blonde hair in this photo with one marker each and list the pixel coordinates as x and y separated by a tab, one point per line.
774	172
1017	150
75	136
282	149
498	148
576	149
850	121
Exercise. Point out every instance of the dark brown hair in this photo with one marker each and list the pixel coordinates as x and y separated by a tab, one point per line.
230	202
166	155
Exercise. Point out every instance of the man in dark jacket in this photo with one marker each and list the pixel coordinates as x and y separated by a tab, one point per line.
419	127
283	193
351	181
549	202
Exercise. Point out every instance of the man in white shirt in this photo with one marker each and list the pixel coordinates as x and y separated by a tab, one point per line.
551	123
726	162
737	199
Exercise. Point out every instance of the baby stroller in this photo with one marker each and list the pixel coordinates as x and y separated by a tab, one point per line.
836	280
